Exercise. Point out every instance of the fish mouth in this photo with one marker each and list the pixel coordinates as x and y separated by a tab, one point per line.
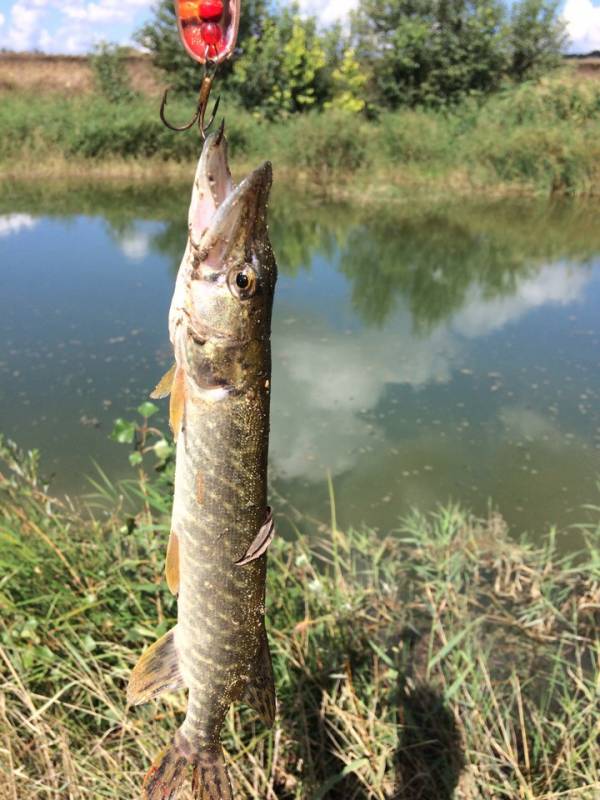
226	220
202	333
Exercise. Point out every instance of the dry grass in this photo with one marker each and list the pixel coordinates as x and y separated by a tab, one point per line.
442	661
76	171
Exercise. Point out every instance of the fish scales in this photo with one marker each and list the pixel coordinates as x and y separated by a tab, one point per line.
231	457
221	525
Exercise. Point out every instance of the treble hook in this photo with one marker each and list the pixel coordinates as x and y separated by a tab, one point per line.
203	96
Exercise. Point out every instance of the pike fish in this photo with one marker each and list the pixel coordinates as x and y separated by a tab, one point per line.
219	325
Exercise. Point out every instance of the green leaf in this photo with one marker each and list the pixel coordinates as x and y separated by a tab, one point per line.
123	431
449	646
147	409
162	449
135	459
353	766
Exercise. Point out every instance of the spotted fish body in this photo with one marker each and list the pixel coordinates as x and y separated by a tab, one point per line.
221	526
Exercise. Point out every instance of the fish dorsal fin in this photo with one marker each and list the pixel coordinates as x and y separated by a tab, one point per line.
177	405
172	563
260	690
163	387
156	672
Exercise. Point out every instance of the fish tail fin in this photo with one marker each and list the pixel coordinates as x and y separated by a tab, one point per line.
210	780
167	773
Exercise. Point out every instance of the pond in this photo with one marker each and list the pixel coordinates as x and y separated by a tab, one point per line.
423	352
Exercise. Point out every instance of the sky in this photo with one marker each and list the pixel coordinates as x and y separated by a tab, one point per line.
73	26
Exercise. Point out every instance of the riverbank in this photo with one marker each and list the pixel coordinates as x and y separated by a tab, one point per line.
440	661
533	139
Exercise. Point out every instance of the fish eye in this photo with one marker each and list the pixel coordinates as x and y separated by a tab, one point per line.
242	282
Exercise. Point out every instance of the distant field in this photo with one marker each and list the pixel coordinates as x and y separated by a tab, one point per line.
36	72
587	66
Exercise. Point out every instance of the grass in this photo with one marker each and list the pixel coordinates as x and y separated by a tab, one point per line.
441	661
539	138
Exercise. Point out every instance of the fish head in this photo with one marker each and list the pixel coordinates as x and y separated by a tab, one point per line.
230	275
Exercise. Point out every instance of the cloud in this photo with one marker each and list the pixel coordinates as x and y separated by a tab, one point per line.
2	18
103	10
328	11
13	223
95	12
24	28
583	25
70	26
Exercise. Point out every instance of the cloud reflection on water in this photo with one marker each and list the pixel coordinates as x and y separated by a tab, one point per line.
13	223
559	284
328	382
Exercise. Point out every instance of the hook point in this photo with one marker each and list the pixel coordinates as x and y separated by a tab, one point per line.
220	132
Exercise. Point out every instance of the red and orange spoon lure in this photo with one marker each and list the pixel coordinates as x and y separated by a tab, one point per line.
208	30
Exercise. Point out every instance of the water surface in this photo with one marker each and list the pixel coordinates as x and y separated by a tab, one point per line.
421	353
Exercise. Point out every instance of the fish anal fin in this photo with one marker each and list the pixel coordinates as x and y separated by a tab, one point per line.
260	689
210	780
172	563
163	387
177	404
261	542
156	672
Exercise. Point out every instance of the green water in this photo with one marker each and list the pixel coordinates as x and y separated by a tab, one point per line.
422	353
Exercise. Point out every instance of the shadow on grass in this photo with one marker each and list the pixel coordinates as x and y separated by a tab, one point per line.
425	763
429	758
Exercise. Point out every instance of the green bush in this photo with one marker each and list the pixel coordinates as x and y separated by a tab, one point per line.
323	143
110	72
557	159
415	136
246	134
543	137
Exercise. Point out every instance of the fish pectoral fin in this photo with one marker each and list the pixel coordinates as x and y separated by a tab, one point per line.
260	689
210	780
172	563
156	672
260	544
163	387
177	404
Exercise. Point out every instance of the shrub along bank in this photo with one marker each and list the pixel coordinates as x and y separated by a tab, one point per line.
542	138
